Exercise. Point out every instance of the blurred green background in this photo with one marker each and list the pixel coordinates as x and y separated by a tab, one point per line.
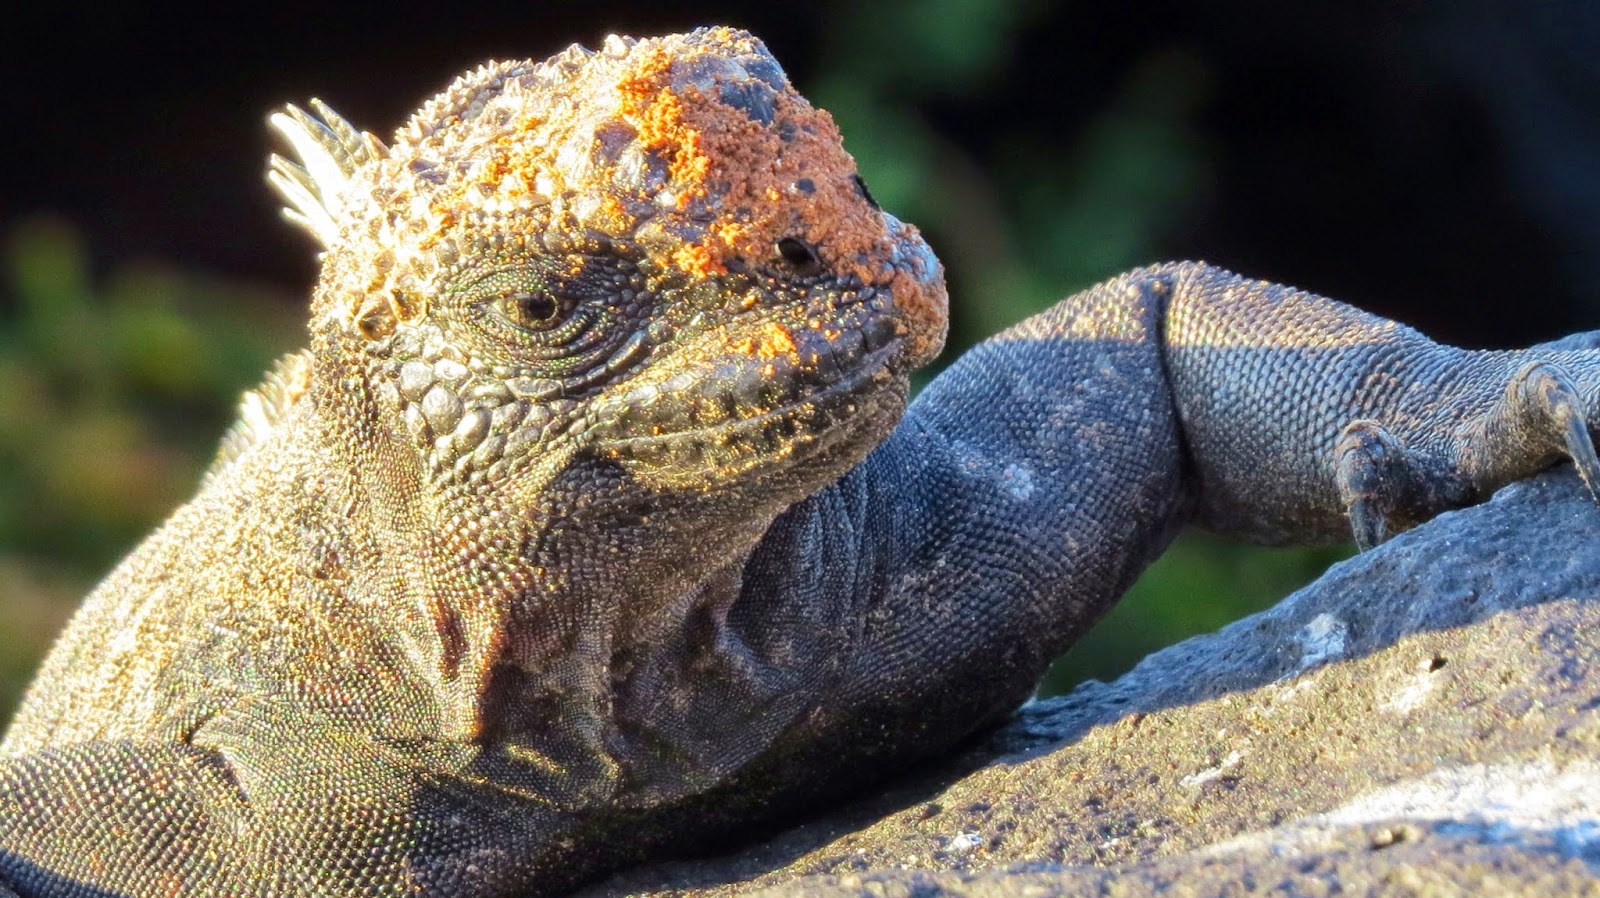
1426	160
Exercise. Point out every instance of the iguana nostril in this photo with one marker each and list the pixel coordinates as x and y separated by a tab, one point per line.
799	255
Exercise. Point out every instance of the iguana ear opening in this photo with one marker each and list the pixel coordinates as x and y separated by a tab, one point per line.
329	150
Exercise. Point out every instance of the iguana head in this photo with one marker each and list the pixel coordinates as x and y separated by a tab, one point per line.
655	256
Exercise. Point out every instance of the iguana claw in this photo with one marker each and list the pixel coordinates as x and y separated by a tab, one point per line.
1539	420
1372	476
1548	408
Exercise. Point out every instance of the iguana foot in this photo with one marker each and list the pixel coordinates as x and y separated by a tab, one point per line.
1373	479
1542	413
1538	420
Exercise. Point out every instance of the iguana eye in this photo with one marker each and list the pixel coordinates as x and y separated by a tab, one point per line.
548	315
522	304
531	310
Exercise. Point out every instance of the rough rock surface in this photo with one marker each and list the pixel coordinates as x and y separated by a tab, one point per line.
1423	720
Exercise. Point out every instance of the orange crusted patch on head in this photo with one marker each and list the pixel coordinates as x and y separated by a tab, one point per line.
924	304
778	171
692	149
657	116
772	341
520	156
696	259
793	178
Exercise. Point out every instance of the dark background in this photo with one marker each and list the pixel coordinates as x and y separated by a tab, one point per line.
1438	162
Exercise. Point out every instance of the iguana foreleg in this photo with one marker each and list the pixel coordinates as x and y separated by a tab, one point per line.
1311	421
240	813
1037	476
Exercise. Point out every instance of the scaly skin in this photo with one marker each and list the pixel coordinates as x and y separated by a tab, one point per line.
593	520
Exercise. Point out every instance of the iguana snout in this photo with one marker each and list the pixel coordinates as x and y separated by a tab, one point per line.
760	392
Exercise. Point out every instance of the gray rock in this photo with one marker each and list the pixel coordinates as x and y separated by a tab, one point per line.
1423	720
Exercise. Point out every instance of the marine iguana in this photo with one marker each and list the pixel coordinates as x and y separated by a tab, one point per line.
595	518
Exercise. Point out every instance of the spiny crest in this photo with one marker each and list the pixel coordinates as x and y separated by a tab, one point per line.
457	101
262	409
330	149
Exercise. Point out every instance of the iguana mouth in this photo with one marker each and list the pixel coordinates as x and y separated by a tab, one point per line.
873	374
761	392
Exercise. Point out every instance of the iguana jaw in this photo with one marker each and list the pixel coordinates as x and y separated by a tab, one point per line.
762	393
